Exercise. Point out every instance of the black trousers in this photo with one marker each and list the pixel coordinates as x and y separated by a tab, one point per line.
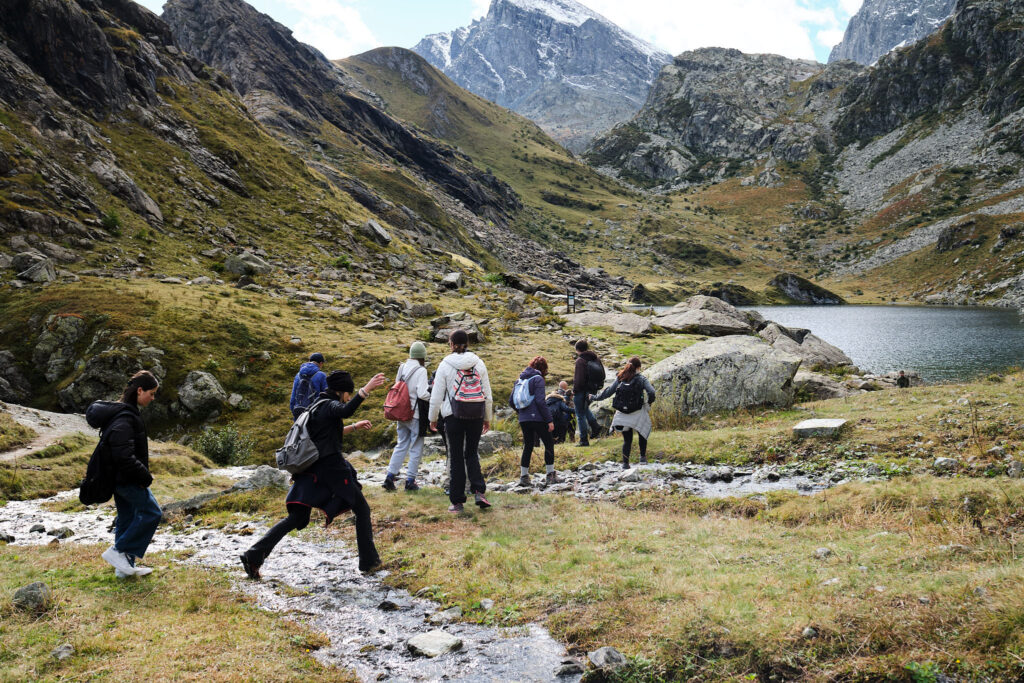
464	453
531	432
627	444
298	518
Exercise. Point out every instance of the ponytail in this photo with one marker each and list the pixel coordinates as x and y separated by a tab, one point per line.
629	372
143	379
459	340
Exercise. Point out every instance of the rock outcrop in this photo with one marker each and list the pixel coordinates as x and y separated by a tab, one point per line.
105	371
812	350
722	374
201	395
803	291
625	323
704	315
554	61
883	25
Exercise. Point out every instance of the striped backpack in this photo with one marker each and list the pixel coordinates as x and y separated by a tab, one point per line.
467	398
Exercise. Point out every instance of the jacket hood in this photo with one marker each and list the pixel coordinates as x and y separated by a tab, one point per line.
529	372
100	413
589	355
462	361
309	369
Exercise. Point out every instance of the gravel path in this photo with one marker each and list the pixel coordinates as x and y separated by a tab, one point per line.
48	426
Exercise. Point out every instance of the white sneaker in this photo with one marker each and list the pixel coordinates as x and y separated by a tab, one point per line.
118	561
121	575
143	571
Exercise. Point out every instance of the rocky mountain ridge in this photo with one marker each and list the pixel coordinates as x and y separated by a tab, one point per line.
880	26
554	61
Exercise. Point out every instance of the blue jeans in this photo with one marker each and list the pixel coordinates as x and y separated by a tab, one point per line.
409	442
584	417
137	518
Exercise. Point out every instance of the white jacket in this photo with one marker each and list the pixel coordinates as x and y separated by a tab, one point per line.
444	381
417	379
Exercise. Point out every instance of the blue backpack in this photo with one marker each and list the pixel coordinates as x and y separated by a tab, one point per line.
305	394
521	394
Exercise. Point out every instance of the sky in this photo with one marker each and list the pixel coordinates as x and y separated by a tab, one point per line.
794	28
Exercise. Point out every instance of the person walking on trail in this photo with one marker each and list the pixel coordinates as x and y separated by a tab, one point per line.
535	420
632	411
588	378
902	382
411	432
310	381
138	513
330	483
462	399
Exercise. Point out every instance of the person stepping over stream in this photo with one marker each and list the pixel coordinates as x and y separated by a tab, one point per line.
330	483
535	419
632	412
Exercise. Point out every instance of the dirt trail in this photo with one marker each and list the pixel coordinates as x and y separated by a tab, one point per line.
48	426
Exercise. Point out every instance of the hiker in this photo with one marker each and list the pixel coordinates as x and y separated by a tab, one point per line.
534	420
588	378
561	415
138	513
902	382
310	381
462	399
632	412
330	483
413	373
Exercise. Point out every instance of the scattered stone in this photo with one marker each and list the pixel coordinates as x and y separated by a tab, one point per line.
817	387
433	644
263	477
61	533
810	632
494	441
374	326
823	553
630	475
41	271
487	604
376	232
450	614
246	263
201	394
423	310
35	597
924	600
239	402
569	667
606	658
62	652
945	464
809	428
37	529
394	602
6	538
452	281
1015	469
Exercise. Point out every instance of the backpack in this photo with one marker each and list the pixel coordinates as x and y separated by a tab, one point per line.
595	376
99	482
299	451
522	397
467	400
304	392
397	404
629	397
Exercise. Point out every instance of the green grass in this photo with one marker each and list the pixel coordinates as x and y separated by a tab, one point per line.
13	434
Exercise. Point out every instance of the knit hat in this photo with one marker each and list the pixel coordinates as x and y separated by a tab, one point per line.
316	357
418	350
340	382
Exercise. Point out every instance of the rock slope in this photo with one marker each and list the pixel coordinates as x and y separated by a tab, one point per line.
880	26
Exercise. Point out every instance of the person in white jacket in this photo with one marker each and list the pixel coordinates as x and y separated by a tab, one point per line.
410	434
463	401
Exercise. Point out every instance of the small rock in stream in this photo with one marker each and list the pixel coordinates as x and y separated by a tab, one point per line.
606	658
433	644
447	615
62	532
37	529
6	538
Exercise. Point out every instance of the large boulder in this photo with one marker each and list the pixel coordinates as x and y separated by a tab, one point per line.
41	271
376	232
443	326
121	184
723	374
802	290
812	386
105	374
625	323
201	394
14	388
246	263
55	348
704	315
814	351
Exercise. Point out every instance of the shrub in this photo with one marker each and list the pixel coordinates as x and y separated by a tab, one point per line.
225	446
112	222
342	262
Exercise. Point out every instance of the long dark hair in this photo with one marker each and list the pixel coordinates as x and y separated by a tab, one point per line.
629	372
459	340
143	379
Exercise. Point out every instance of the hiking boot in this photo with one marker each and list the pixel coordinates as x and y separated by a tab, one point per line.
582	444
370	567
410	485
252	569
526	482
643	459
481	501
625	463
552	478
389	482
118	561
455	508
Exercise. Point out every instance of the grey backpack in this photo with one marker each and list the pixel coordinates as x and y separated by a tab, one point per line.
299	451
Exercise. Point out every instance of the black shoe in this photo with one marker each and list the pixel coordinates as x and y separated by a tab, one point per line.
252	570
525	481
643	459
582	444
625	463
370	567
389	483
410	485
481	501
552	478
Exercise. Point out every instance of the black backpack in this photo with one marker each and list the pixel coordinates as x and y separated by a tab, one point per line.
595	376
629	397
100	480
304	393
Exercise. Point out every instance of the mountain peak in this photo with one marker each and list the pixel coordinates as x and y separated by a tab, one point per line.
881	26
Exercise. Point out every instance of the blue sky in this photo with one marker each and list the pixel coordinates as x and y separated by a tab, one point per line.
794	28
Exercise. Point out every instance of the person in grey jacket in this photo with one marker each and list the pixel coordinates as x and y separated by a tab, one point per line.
630	383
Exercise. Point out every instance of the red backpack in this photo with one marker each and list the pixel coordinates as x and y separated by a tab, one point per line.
397	404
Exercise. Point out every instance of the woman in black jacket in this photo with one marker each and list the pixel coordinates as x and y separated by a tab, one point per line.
138	513
329	484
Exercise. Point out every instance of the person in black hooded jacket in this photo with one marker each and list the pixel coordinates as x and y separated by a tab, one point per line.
330	483
138	513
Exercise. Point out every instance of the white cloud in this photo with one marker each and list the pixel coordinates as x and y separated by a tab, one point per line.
774	26
829	38
480	8
335	28
850	6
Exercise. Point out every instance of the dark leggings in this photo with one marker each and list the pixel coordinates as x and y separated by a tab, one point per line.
532	431
464	456
627	443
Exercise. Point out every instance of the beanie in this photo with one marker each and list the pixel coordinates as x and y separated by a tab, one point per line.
418	350
340	382
316	357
